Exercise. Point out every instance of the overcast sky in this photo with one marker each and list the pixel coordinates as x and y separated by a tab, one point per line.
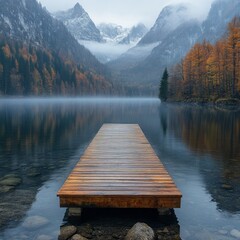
125	12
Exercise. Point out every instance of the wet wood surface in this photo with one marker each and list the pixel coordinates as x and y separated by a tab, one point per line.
119	169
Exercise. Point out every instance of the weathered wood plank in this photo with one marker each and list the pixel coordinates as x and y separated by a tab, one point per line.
119	169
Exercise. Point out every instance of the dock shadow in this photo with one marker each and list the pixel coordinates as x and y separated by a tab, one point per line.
108	223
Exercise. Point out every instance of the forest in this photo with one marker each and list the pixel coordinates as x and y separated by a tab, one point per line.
209	71
36	71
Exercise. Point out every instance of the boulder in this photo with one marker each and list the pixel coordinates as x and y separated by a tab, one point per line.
78	237
140	231
235	233
67	232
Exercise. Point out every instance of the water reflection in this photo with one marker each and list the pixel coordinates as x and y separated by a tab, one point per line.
38	137
35	140
209	131
41	141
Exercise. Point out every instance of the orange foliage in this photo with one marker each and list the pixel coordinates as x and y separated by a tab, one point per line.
24	53
7	51
210	72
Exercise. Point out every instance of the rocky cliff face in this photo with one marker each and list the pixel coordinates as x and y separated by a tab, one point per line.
79	24
168	20
113	33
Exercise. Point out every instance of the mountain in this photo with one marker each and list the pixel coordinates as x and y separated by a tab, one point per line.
220	14
168	20
166	54
135	34
129	68
79	24
172	43
131	58
29	22
29	25
113	33
116	40
145	73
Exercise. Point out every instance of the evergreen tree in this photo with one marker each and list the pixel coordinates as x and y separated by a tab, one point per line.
163	89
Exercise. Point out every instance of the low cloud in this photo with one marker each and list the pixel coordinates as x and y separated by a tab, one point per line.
125	12
106	52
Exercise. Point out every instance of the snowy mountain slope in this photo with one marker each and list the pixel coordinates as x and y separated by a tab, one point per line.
116	40
79	24
27	21
135	34
113	33
220	14
106	41
168	20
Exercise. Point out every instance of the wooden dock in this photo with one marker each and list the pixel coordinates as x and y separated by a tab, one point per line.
119	169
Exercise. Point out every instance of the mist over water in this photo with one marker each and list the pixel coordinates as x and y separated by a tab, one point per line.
41	140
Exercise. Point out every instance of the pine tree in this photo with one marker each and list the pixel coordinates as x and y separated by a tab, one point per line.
163	89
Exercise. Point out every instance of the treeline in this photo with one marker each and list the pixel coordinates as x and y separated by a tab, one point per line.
209	72
31	70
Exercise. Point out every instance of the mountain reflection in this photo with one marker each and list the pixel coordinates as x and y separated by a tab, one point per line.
38	137
42	140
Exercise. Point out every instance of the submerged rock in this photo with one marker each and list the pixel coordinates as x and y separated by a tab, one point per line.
87	231
140	231
235	233
33	172
35	222
10	180
227	187
67	232
78	237
5	189
44	237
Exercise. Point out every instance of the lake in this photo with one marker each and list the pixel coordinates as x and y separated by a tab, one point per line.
41	140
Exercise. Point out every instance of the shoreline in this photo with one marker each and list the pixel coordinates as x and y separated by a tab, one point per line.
221	104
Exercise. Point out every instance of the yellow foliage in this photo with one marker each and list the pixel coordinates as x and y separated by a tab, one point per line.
24	53
213	70
7	51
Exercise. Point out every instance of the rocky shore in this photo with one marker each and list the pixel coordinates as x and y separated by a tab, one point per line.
127	224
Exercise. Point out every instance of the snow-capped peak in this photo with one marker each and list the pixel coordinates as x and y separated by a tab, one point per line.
117	34
168	20
113	33
79	24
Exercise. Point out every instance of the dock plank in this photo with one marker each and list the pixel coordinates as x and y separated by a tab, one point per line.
119	169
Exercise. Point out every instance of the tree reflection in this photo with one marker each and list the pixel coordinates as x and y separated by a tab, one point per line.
212	132
39	137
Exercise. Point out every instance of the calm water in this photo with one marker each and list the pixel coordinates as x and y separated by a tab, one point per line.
41	140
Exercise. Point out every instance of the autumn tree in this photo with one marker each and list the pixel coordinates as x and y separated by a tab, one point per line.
210	71
233	41
31	70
